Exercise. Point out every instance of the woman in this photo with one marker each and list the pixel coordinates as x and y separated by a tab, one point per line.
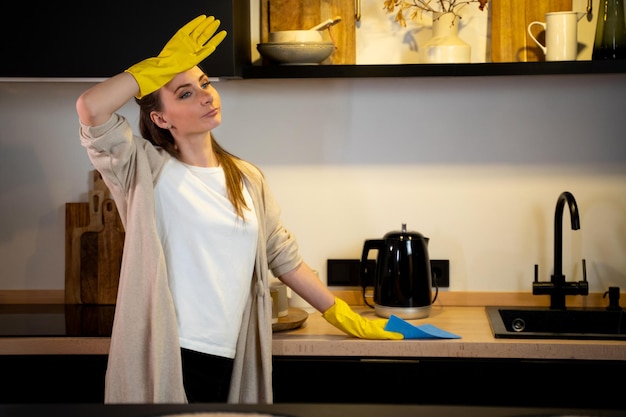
193	314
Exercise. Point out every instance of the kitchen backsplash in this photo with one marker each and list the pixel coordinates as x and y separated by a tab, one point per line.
474	163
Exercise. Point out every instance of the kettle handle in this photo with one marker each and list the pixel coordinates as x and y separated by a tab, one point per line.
365	273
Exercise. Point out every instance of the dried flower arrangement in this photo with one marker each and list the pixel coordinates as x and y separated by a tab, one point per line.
417	7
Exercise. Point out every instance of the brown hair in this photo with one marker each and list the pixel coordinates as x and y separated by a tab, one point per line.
163	138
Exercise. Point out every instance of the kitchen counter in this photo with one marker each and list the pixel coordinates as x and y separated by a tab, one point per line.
318	338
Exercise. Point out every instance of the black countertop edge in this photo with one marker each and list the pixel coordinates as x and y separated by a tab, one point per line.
289	410
435	70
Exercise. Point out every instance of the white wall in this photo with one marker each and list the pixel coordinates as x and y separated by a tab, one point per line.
474	163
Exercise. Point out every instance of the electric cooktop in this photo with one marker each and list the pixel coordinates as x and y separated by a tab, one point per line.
56	320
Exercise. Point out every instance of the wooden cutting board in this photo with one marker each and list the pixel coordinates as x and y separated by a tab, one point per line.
94	241
85	320
510	41
85	247
76	216
296	15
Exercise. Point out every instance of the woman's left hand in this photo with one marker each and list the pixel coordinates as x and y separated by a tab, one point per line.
345	319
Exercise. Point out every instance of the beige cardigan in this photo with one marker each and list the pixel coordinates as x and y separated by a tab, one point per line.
144	363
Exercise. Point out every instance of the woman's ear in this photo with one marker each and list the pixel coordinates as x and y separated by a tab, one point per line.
157	119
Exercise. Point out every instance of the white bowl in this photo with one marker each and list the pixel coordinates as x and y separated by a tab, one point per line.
283	36
294	53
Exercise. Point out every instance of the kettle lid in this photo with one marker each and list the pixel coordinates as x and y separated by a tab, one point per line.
405	235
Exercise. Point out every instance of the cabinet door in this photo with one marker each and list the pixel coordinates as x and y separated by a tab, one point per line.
448	381
101	39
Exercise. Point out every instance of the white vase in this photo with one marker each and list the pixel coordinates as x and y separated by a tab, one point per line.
445	46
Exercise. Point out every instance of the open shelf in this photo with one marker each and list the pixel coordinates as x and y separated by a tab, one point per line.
434	70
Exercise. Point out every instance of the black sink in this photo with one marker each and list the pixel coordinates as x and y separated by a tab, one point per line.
546	323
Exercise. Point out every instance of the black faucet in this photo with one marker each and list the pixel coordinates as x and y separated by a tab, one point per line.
558	288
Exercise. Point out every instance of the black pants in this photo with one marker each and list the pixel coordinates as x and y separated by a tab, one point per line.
206	377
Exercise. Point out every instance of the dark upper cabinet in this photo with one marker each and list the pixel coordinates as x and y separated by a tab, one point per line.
101	39
46	39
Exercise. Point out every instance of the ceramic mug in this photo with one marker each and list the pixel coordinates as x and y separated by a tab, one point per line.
561	30
274	298
278	291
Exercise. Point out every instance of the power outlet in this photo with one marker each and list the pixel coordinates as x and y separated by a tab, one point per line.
347	272
440	270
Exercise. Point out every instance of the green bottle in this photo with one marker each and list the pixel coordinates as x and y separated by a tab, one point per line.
610	41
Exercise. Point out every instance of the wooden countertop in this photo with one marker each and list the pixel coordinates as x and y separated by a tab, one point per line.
318	338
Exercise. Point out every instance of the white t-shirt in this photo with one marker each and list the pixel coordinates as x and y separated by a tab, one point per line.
209	254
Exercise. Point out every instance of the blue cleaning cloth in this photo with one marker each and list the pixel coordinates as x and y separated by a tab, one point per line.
425	331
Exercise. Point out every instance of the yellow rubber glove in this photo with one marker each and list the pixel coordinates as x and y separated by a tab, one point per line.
186	49
345	319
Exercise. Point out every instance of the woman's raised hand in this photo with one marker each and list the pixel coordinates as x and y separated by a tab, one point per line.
194	42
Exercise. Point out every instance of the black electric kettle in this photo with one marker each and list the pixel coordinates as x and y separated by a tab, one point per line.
402	276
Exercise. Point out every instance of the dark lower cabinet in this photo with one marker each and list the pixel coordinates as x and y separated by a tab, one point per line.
67	379
52	379
435	381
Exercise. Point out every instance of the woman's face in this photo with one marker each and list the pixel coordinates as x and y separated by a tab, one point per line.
190	103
